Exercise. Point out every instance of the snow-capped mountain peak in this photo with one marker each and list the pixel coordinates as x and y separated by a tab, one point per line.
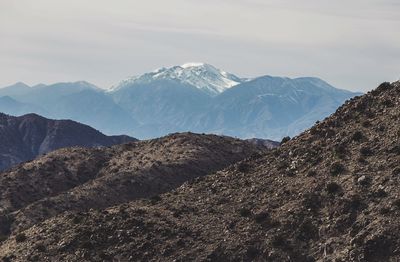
187	65
200	75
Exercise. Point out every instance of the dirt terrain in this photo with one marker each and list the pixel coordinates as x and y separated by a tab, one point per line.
330	194
80	178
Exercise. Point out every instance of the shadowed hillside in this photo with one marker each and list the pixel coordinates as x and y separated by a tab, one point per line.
25	137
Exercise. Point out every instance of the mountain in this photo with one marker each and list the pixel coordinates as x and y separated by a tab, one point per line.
79	101
15	90
192	97
162	106
80	178
265	107
24	138
329	194
46	95
13	107
96	109
271	107
203	76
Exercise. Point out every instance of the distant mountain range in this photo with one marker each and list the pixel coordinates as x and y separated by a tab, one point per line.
25	137
192	97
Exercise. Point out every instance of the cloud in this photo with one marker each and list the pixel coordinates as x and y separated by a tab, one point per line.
353	44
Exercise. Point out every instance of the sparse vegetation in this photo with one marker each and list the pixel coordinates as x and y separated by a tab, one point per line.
244	212
312	173
357	136
332	187
285	139
366	151
261	217
337	168
340	151
20	237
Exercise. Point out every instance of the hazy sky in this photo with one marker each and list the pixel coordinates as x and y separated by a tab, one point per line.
352	44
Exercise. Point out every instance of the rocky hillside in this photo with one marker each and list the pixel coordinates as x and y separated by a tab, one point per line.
25	137
330	194
80	179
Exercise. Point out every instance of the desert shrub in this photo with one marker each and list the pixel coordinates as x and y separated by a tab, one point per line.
396	203
290	173
283	164
381	128
378	248
337	168
379	193
252	252
369	113
261	217
366	123
76	219
306	231
20	237
362	160
314	131
384	211
86	244
340	151
395	149
279	241
244	212
366	151
388	103
357	136
380	88
312	173
285	139
364	180
332	187
316	160
6	259
40	247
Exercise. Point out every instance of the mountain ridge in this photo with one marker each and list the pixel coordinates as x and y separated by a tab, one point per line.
24	138
329	194
84	178
203	76
173	100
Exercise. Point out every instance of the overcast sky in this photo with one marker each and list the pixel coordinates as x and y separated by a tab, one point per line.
352	44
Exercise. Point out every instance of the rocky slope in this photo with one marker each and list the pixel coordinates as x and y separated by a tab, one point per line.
25	137
330	194
79	179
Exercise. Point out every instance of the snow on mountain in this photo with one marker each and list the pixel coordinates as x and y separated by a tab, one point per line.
203	76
